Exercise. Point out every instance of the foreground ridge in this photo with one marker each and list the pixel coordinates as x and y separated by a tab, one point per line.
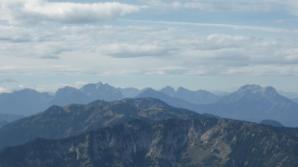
142	132
168	143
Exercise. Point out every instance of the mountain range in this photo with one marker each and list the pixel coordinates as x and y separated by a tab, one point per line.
255	103
28	101
60	122
142	132
194	97
174	101
24	102
250	102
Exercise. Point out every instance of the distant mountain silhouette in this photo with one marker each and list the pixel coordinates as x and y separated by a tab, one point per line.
194	97
86	94
255	103
129	92
29	101
58	122
195	141
271	123
69	95
101	91
24	102
250	102
168	99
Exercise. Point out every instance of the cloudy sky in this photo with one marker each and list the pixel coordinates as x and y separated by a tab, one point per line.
198	44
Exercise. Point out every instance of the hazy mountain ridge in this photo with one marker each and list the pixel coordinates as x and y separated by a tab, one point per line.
29	101
24	102
255	103
250	102
60	122
176	102
195	97
199	141
271	123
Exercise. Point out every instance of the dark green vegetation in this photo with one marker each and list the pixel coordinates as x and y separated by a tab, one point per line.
143	132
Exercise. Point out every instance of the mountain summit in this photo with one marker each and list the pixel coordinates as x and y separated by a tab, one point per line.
257	90
255	103
142	132
58	122
195	97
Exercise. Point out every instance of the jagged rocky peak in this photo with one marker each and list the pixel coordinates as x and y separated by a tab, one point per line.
95	86
101	91
257	89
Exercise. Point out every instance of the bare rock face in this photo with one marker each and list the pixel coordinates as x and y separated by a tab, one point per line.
143	132
169	143
60	122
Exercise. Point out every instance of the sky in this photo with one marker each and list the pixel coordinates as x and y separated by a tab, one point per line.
197	44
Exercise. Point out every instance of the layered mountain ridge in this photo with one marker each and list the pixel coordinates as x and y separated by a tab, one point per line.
60	122
255	103
250	102
142	132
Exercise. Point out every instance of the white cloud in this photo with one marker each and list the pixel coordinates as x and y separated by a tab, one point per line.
66	12
3	90
214	5
137	50
126	50
288	6
233	27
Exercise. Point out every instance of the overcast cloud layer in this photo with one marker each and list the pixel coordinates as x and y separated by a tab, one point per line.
45	44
